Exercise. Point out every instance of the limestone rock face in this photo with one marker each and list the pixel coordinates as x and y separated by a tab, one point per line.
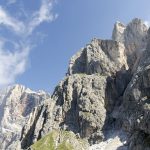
134	37
83	100
33	130
105	57
136	105
118	32
77	101
134	33
92	95
16	103
104	98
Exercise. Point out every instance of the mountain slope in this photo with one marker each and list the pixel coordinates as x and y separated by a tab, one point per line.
91	100
102	102
16	103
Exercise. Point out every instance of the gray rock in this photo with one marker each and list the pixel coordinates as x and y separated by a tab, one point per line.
77	101
104	98
135	108
134	37
16	103
105	57
83	101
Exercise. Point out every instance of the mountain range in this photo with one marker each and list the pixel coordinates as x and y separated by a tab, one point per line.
103	102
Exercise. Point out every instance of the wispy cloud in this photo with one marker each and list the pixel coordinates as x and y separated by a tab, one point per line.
9	2
13	61
8	21
44	14
12	64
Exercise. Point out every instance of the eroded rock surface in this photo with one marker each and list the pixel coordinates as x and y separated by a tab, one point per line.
104	98
134	37
105	57
16	103
136	104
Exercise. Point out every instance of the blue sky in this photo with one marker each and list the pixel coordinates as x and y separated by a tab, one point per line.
38	37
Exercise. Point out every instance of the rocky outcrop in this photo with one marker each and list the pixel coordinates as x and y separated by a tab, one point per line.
135	109
77	102
105	57
134	37
16	103
104	98
33	130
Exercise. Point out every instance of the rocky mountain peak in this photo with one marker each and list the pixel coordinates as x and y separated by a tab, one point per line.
133	30
100	56
118	32
136	32
16	104
134	37
101	104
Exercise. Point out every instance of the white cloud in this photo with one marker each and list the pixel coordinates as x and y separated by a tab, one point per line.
8	21
13	62
44	14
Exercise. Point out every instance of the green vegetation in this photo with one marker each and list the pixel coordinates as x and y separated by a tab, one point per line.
65	146
60	140
46	143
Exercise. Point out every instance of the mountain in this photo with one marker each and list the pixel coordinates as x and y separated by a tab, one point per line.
16	104
102	103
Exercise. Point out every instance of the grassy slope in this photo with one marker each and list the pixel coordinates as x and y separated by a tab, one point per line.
59	140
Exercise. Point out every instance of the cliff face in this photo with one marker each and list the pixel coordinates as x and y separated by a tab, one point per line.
16	103
103	100
136	104
81	101
95	99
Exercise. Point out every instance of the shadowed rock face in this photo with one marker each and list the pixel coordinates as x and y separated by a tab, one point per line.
104	98
135	109
77	101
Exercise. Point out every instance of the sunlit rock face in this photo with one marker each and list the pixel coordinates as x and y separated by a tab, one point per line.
134	37
104	98
16	103
81	101
105	57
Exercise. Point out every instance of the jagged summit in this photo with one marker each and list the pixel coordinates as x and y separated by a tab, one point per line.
118	32
134	38
22	88
125	48
91	60
137	27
